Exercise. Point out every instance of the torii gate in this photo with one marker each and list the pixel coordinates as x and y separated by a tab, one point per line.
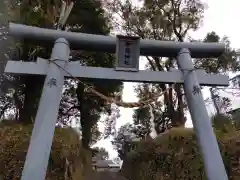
126	70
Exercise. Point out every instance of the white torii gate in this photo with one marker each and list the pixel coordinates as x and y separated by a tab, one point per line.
40	144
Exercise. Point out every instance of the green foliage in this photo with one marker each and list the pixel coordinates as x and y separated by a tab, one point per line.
226	62
66	146
222	122
87	16
169	20
100	153
175	155
160	20
92	17
123	140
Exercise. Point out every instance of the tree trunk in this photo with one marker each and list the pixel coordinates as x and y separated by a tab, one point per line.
85	117
179	119
214	101
32	94
86	130
171	110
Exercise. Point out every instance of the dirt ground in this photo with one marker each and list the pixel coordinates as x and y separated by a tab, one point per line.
105	175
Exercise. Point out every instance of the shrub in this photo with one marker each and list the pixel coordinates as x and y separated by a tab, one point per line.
175	156
66	147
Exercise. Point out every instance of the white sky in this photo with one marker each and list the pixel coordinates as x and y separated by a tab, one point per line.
221	17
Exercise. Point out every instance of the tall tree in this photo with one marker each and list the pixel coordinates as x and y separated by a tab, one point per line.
167	20
9	48
38	13
161	20
226	62
88	104
86	16
100	153
125	138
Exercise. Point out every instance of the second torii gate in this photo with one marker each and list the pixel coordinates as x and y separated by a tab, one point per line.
40	144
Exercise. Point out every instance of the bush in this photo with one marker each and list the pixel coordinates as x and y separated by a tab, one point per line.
66	147
175	156
222	122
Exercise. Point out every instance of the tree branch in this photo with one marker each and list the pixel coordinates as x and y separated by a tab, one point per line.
71	108
151	63
175	9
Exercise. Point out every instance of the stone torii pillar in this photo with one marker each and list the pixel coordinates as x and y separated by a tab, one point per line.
206	138
41	140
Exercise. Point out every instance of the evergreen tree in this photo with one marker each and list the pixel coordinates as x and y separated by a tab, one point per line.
86	16
167	20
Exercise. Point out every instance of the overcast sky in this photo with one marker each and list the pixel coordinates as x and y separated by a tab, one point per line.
221	17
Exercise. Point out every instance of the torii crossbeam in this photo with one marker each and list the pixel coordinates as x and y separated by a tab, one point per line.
42	66
41	140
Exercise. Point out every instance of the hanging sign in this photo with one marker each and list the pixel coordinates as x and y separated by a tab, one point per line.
127	53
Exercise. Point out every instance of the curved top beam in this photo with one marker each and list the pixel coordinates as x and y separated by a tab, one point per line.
91	42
